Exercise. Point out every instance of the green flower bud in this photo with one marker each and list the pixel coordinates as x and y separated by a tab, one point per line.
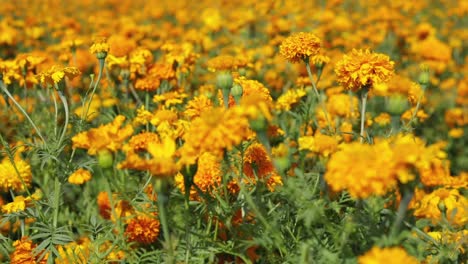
236	92
397	105
105	159
224	80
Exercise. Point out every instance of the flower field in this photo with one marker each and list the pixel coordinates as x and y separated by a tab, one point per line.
233	131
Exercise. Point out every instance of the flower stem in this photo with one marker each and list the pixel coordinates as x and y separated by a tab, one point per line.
101	67
407	196
65	107
162	202
2	85
364	93
319	98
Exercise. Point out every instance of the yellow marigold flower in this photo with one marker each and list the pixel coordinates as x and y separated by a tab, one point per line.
383	119
143	116
100	47
195	107
143	229
9	178
160	162
23	252
18	205
415	94
363	68
420	115
342	105
290	98
258	165
106	137
55	74
216	130
170	98
394	255
300	46
74	252
456	117
456	132
447	237
444	201
346	130
226	63
80	176
207	177
363	170
319	143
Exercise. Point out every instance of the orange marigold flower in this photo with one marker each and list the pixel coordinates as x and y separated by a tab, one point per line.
290	98
363	68
20	203
106	137
394	255
23	253
300	46
80	176
143	229
207	177
226	63
258	165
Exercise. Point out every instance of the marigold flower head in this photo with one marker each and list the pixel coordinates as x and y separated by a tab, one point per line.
80	176
9	178
207	177
258	165
55	74
394	255
363	68
106	137
143	229
199	104
444	201
216	130
100	47
300	46
290	98
23	252
226	63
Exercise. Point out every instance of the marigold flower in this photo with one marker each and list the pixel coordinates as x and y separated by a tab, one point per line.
143	229
23	253
9	178
383	119
74	252
55	74
214	131
363	170
80	176
195	107
207	177
363	68
106	137
300	46
100	47
290	98
226	63
393	255
258	165
444	201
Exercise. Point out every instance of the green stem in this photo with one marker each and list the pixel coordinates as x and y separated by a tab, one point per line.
162	197
407	196
364	93
2	85
101	67
65	107
319	98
